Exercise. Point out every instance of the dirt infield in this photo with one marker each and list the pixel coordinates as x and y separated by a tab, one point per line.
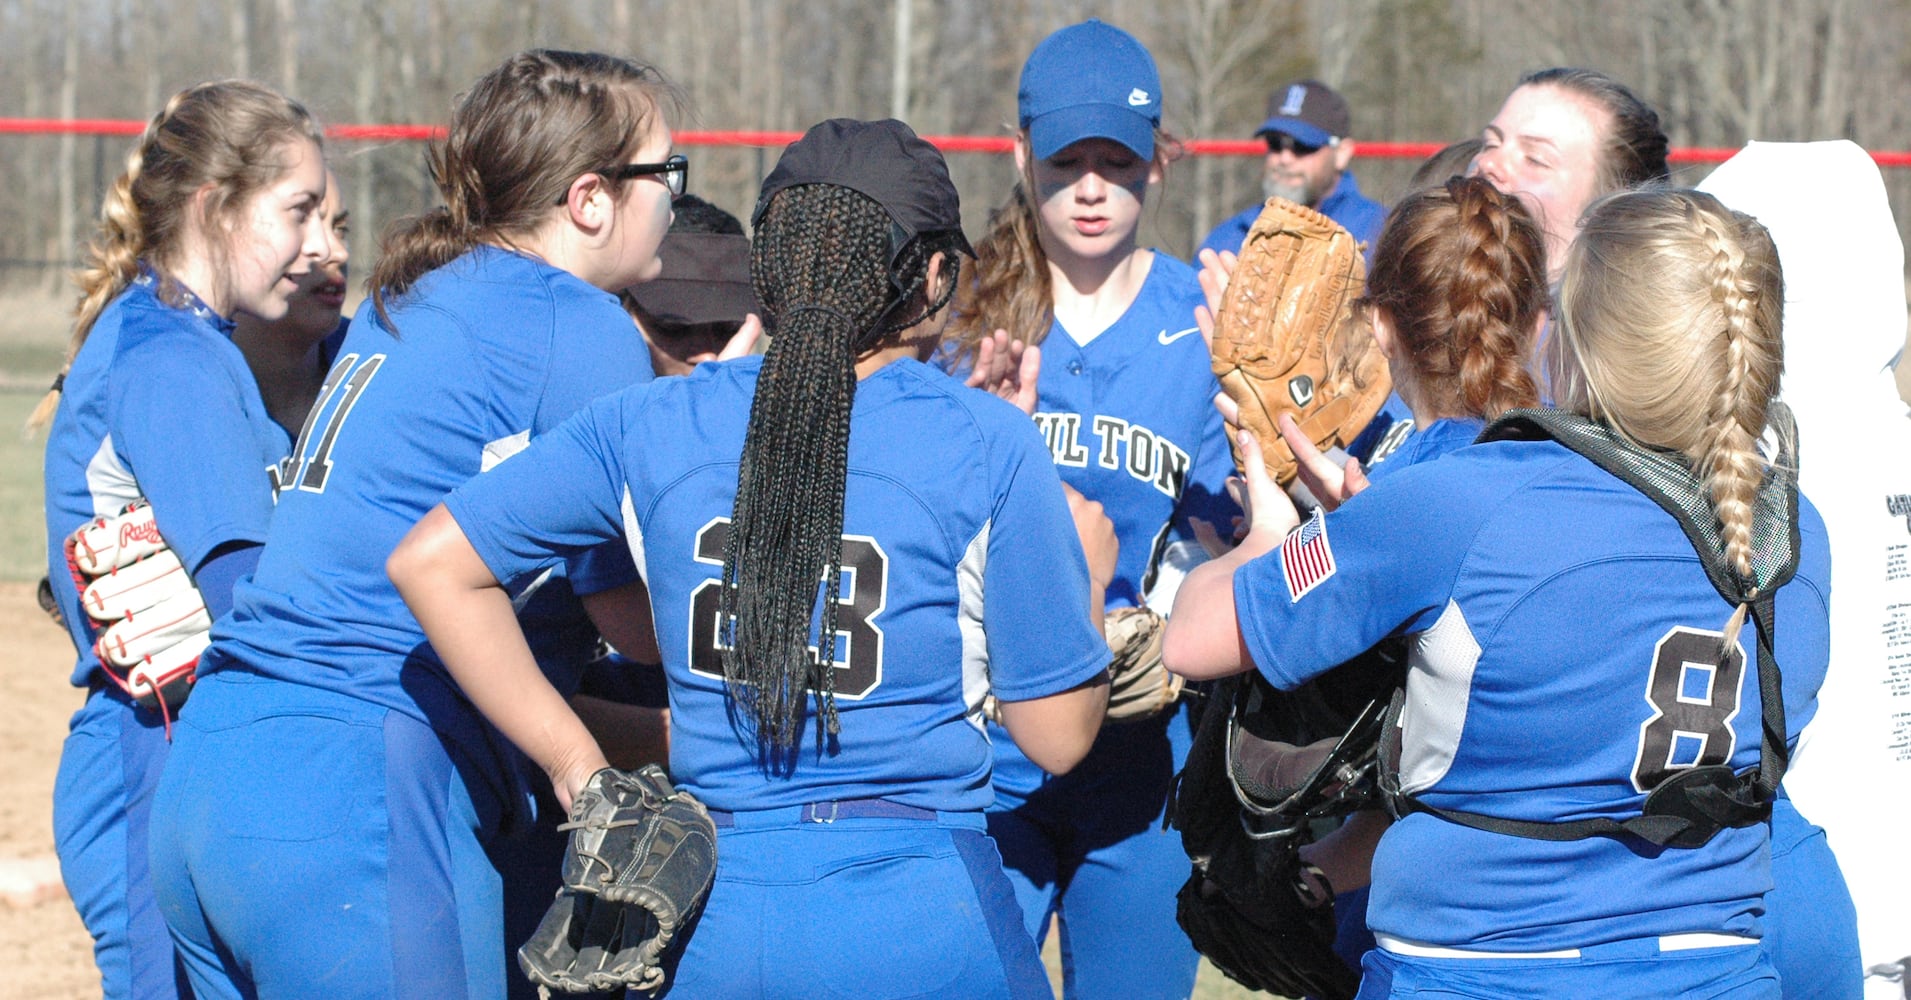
44	951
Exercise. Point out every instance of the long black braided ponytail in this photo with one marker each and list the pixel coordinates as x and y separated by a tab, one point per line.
820	263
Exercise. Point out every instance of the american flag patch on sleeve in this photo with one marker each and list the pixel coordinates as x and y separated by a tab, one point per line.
1306	558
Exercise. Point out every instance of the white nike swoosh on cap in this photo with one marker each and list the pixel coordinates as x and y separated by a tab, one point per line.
1168	338
1138	98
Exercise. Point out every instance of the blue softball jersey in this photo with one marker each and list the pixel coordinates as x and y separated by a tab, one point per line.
1129	419
1566	659
959	562
481	356
1440	437
159	403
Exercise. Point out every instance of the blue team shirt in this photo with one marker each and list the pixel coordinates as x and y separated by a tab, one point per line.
1411	448
1361	216
1384	434
1449	434
961	565
1129	419
490	351
158	403
1546	598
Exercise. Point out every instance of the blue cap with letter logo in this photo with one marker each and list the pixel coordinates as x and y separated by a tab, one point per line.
1308	110
1090	81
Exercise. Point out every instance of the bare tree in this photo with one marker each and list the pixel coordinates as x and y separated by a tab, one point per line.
239	36
289	47
1720	71
69	238
1227	53
901	43
366	51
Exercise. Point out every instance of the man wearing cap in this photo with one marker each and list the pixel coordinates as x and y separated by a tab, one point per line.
1307	155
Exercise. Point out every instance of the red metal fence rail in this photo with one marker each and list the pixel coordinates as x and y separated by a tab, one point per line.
948	143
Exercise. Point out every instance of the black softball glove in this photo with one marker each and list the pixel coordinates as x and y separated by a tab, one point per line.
640	862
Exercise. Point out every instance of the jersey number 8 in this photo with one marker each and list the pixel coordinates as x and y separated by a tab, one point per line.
1693	689
861	597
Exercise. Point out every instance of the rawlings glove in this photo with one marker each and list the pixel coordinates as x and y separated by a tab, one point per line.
151	620
1285	340
1139	686
641	858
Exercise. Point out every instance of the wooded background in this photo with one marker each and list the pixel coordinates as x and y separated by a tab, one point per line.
1719	71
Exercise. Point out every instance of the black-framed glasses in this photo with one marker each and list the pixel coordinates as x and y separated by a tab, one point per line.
675	171
1281	142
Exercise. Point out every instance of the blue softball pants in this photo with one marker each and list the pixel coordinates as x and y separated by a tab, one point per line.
309	844
110	766
857	908
1089	849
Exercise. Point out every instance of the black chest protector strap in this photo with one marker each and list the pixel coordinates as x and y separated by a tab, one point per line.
1690	808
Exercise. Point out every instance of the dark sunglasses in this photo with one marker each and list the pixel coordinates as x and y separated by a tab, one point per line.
676	171
1281	142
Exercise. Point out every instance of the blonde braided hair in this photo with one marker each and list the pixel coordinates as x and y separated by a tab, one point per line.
1670	330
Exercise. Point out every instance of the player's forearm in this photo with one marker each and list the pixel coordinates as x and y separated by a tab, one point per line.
1203	640
1056	731
469	619
1345	856
1098	606
622	617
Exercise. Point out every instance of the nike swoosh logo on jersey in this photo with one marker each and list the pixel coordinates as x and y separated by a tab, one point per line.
1168	338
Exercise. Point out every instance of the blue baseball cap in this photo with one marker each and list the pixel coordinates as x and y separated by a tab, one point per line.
1308	110
1089	81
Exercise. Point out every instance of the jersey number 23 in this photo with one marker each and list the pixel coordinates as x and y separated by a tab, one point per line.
860	599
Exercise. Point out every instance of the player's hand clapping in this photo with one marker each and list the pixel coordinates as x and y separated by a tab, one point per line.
1331	484
743	342
1008	368
1266	509
1216	269
1097	532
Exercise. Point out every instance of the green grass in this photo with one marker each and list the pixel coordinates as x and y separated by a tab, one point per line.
33	332
22	514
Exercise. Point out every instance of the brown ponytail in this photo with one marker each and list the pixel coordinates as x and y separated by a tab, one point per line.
225	135
518	138
1012	288
1461	271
